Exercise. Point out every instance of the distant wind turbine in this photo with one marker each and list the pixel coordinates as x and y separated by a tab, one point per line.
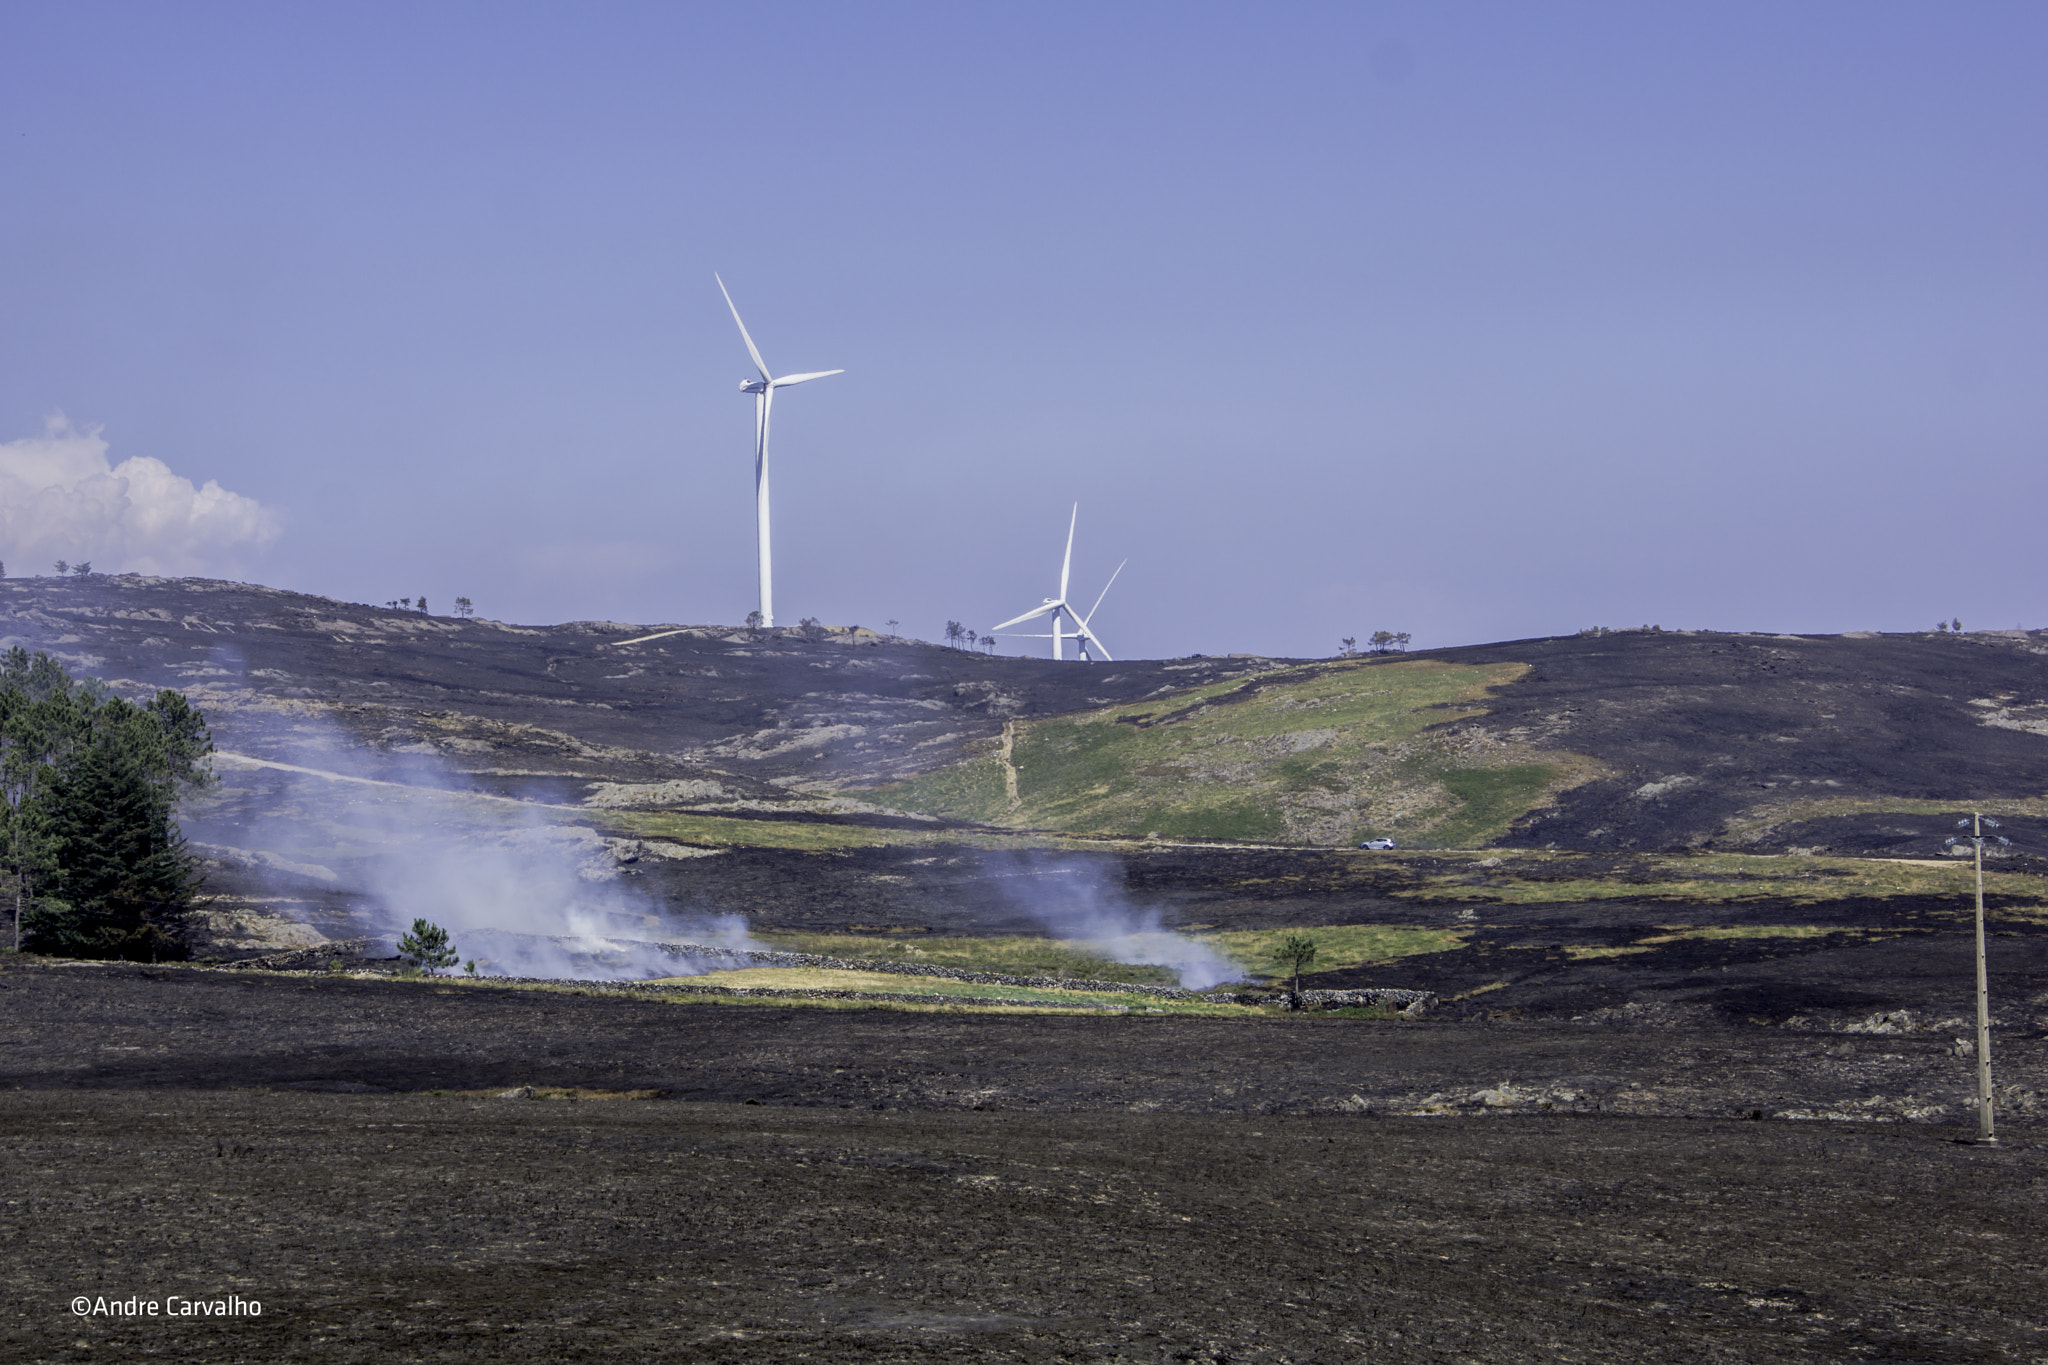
763	390
1058	609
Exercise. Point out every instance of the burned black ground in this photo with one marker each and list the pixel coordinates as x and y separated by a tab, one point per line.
1646	1143
874	1185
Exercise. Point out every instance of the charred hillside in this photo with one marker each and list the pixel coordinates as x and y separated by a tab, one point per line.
1619	740
1854	743
757	712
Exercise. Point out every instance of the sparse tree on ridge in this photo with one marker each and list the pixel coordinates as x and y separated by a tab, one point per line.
954	630
1348	646
754	620
464	607
82	569
890	624
62	568
427	947
423	605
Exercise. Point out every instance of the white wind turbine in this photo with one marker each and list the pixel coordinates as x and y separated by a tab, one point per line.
763	390
1057	608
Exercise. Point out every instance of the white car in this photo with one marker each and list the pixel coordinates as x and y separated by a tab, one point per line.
1381	844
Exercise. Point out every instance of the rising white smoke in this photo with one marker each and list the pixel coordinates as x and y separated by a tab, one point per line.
535	900
1081	902
520	891
60	499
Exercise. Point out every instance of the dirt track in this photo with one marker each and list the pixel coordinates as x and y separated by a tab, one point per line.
1131	1189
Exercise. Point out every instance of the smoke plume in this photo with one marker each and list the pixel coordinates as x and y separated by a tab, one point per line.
519	892
1081	902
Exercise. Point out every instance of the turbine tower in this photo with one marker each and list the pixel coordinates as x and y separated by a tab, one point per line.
763	390
1057	608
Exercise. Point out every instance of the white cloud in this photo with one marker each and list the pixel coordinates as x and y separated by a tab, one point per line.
59	499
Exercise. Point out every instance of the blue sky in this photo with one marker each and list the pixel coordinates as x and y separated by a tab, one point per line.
1471	321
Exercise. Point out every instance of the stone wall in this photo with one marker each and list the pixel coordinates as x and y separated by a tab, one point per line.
1410	1003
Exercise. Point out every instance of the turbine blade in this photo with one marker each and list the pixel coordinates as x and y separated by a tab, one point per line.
1104	593
1034	613
752	349
789	379
1068	563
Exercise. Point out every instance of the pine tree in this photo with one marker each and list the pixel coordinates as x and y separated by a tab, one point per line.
428	947
122	883
41	724
90	785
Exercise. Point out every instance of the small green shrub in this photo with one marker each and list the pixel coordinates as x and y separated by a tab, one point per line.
427	947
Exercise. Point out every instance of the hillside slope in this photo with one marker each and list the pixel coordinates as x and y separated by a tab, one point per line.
1623	740
898	797
1322	753
1769	742
750	714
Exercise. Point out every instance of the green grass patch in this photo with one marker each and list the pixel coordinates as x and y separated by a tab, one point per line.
715	831
1524	878
888	983
1746	931
1754	821
1006	955
1676	934
942	1005
1490	799
718	831
1337	946
1323	754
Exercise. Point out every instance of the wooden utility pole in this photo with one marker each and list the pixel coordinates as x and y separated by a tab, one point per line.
1986	1129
